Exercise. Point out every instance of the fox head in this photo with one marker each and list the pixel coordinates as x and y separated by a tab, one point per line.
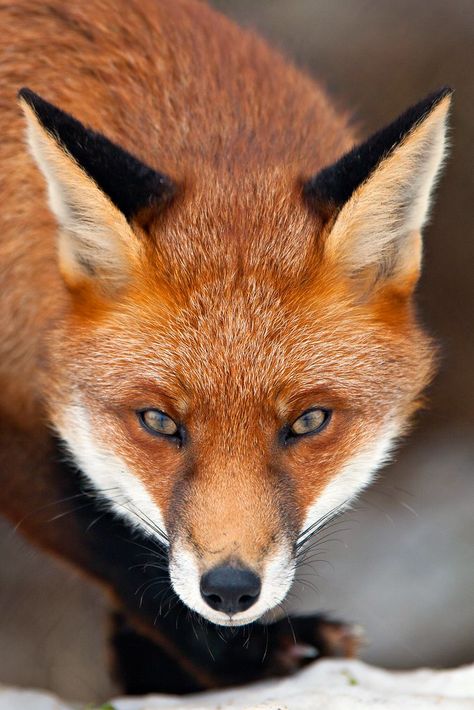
235	353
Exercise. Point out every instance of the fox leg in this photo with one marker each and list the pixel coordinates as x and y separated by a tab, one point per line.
243	656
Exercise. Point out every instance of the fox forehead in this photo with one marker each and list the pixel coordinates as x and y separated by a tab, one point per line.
256	341
250	222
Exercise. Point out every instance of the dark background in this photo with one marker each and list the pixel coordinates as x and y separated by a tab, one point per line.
402	562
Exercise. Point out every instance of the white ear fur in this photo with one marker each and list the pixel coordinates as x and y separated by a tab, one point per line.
379	226
95	239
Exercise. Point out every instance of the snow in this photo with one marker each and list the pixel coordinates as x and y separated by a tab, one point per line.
325	685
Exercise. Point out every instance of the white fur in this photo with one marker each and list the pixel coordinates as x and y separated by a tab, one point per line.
109	474
277	578
38	149
356	475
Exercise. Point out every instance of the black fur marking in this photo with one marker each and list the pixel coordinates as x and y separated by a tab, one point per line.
129	183
335	184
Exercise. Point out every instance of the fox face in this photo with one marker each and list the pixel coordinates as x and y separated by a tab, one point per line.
235	355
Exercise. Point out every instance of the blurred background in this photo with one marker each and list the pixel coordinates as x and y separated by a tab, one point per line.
401	563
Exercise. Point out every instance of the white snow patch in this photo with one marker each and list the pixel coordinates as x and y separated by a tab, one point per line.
325	685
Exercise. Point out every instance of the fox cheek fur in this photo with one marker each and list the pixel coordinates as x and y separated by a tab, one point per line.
234	292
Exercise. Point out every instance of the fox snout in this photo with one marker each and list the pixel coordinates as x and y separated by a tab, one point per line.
231	592
230	549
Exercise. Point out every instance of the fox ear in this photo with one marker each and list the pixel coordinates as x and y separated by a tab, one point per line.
95	189
380	193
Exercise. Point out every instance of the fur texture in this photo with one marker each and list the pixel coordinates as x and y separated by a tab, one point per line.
233	308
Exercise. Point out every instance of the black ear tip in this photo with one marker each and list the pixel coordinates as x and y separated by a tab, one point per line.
29	96
26	94
49	115
446	91
417	113
39	105
336	183
437	96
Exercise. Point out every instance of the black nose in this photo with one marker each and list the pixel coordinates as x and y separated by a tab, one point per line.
230	589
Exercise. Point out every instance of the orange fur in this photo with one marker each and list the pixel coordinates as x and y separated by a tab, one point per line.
234	317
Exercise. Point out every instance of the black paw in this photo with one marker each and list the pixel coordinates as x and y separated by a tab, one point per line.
299	640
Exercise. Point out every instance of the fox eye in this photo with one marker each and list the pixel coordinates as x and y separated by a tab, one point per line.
157	422
310	422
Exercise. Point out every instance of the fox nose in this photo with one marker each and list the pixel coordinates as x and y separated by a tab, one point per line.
230	589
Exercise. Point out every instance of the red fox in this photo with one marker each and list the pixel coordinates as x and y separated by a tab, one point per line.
206	287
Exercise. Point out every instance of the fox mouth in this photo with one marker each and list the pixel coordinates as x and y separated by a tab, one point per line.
232	621
230	594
